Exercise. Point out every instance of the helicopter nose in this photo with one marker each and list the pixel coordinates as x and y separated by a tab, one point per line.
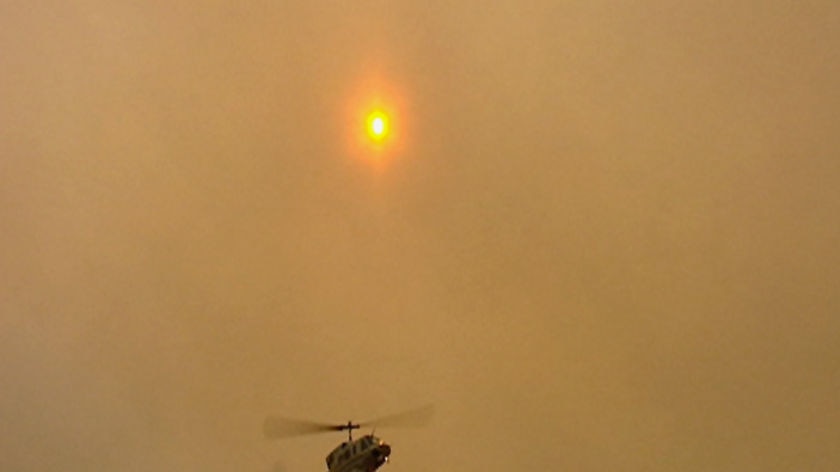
383	451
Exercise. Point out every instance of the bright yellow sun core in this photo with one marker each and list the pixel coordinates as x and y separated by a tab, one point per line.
377	126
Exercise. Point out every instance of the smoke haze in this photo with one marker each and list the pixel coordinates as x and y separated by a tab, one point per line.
607	238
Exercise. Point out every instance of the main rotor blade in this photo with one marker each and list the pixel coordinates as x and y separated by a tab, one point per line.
407	419
279	427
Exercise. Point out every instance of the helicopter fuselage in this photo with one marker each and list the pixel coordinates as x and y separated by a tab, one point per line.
365	454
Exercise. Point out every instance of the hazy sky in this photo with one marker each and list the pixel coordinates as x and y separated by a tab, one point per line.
606	237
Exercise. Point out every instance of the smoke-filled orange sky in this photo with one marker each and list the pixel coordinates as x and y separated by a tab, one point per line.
602	236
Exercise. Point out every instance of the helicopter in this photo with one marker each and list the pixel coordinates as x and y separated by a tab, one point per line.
364	454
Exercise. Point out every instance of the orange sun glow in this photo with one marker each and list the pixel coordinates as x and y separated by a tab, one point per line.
377	123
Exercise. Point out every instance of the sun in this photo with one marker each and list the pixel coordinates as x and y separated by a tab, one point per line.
377	126
376	123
